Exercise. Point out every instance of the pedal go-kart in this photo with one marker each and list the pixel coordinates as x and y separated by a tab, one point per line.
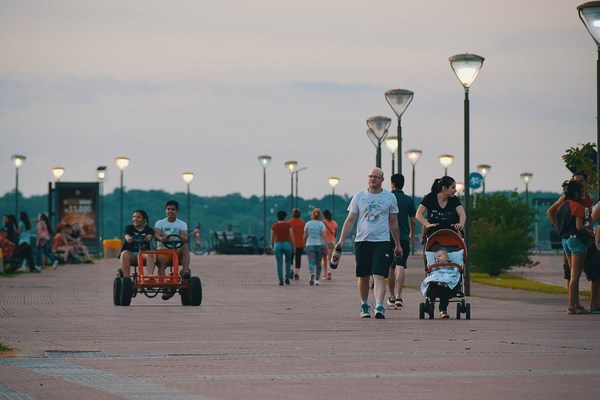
189	288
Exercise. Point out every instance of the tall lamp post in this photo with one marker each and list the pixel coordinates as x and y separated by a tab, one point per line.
378	130
333	182
483	169
391	142
399	99
466	67
526	178
446	161
101	175
188	177
413	156
57	173
589	13
17	160
296	173
291	165
264	162
122	163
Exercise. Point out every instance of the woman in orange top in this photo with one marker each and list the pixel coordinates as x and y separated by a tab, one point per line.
282	242
331	231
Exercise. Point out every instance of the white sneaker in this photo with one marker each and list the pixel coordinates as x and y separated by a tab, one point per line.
23	268
55	264
317	282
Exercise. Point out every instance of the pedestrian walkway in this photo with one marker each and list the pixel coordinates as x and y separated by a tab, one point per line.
253	339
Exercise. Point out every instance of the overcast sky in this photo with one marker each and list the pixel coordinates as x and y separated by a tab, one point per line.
208	86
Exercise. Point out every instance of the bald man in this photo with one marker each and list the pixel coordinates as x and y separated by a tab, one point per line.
376	211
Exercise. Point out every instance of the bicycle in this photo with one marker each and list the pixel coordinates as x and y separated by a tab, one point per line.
198	243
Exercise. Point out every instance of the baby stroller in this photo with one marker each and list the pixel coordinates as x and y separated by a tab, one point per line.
457	254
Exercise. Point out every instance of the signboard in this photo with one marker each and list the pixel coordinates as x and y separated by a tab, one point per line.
475	180
77	203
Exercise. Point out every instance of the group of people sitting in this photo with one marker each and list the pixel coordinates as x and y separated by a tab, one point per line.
50	247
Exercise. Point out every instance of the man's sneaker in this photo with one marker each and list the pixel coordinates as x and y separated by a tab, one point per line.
365	311
391	302
317	282
380	312
312	279
399	302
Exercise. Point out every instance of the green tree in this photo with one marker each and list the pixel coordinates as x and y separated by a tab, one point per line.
583	158
500	233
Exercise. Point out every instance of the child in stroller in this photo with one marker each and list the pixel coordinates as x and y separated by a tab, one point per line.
444	260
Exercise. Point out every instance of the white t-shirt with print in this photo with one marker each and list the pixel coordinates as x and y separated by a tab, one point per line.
373	212
169	228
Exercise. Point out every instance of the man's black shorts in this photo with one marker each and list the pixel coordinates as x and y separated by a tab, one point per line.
373	258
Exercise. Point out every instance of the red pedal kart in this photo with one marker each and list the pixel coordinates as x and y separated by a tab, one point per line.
189	288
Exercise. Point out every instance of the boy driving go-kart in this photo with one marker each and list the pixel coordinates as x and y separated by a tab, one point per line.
164	231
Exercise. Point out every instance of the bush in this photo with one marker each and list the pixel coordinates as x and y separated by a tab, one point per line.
500	233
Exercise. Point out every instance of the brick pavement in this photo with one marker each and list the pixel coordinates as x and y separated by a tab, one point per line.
253	339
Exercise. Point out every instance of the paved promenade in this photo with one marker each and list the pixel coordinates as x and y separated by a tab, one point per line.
252	339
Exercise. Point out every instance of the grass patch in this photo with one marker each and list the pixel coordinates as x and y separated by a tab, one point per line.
5	347
510	281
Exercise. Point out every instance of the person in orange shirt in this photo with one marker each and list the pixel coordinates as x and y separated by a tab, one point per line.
297	225
331	231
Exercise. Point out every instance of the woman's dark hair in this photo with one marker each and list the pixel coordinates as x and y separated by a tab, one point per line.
573	190
444	181
281	215
25	219
44	218
296	213
144	215
327	215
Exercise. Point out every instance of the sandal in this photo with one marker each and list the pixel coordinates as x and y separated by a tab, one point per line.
577	310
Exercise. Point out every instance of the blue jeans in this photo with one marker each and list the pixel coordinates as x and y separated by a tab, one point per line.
315	254
281	249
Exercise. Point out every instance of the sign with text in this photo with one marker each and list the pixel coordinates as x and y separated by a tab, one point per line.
77	203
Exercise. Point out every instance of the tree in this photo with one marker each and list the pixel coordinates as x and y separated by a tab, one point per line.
500	233
583	158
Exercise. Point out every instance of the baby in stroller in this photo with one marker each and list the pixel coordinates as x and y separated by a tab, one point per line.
442	280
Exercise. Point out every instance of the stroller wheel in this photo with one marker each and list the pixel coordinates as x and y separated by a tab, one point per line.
458	310
430	310
468	311
422	311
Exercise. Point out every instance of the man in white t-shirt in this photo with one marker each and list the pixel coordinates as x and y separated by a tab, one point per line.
376	210
172	226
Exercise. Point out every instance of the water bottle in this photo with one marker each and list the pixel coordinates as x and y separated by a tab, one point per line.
335	257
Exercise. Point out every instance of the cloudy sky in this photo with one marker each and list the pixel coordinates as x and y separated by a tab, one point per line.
208	86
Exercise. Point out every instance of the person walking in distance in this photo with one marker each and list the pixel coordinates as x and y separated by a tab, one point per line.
297	225
376	211
331	231
406	225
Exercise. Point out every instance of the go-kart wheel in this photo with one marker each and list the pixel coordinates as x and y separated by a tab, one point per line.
458	310
186	296
173	242
126	291
117	283
422	311
196	291
468	311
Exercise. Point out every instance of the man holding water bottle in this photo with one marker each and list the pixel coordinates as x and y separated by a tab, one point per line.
376	211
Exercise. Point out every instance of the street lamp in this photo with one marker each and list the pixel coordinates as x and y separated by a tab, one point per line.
526	178
413	156
483	169
187	178
296	173
391	142
466	67
17	160
291	165
101	175
378	130
58	172
333	182
446	161
122	163
264	162
399	99
589	13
